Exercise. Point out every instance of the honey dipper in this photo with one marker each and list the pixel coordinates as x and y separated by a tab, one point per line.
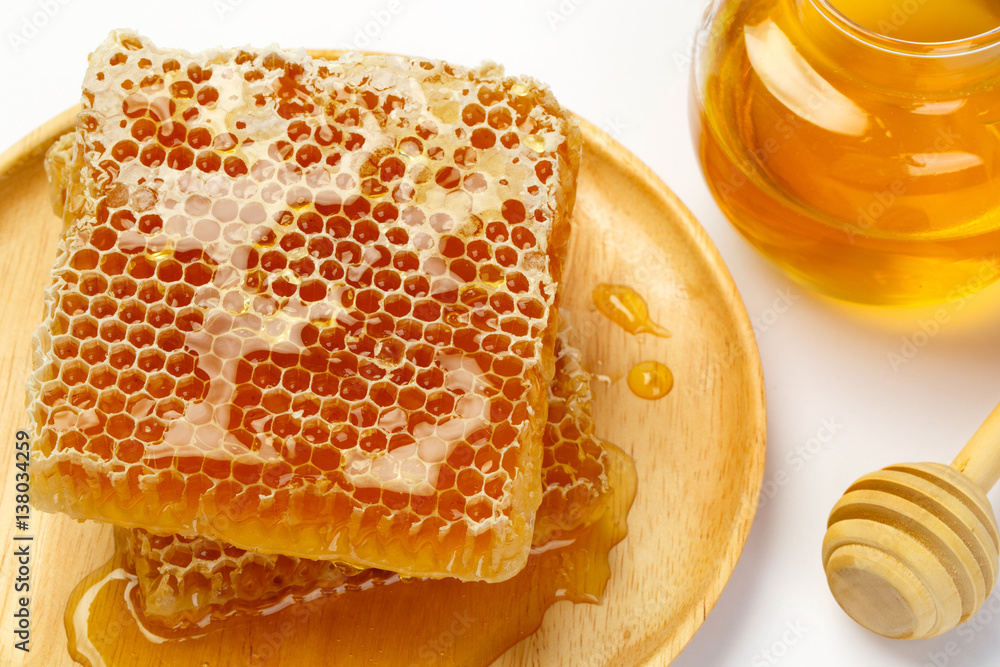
911	550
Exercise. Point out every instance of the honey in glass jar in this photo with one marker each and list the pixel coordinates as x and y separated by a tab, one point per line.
856	142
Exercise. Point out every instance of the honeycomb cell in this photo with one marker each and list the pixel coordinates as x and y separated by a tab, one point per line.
92	284
131	381
141	335
121	356
102	376
65	347
308	299
83	396
83	327
150	360
161	385
120	426
74	373
73	440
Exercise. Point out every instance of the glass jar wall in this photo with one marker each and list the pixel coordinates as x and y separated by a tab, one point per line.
856	143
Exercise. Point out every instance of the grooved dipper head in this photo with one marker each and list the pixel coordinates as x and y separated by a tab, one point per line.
911	551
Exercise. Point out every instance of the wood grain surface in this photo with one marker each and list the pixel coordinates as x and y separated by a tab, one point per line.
699	451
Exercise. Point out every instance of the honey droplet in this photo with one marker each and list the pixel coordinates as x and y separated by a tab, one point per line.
623	306
650	380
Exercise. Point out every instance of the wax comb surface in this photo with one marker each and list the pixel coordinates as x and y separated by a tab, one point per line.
305	306
182	580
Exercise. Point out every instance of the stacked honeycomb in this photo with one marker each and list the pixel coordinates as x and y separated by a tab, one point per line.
183	580
575	485
305	306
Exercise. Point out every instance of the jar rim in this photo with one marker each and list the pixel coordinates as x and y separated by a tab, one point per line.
944	49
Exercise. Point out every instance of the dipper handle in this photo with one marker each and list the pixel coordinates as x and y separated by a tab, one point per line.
979	460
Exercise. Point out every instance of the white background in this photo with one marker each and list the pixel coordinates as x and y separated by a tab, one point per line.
624	65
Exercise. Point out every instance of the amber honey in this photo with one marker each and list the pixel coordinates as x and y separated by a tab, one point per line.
854	143
626	308
650	380
926	21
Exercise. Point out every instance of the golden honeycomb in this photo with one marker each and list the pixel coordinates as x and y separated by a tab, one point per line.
575	485
183	580
305	306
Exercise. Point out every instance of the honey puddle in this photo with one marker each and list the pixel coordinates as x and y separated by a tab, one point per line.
412	623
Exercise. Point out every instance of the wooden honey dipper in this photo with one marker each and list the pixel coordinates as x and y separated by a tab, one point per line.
911	551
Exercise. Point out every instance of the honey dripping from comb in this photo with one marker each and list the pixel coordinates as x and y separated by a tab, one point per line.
470	624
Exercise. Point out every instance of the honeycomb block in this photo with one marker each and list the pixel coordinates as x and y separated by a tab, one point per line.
305	306
184	580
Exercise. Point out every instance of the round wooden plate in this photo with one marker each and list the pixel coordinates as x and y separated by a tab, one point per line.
699	451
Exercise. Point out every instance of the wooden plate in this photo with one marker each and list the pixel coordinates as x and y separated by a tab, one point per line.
699	451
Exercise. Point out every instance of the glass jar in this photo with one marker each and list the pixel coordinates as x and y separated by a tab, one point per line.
865	165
